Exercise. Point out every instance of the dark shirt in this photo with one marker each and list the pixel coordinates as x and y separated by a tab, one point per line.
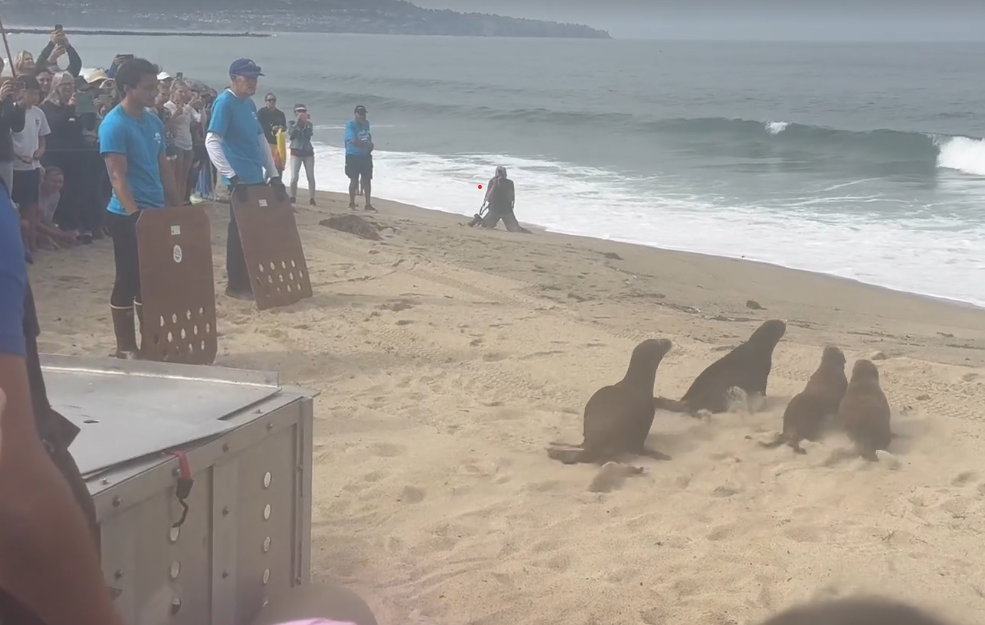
11	120
502	194
270	118
66	128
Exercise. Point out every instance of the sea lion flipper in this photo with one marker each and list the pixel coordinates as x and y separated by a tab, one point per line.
671	405
798	449
653	453
565	445
773	444
566	456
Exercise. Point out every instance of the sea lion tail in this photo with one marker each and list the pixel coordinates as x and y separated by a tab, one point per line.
671	405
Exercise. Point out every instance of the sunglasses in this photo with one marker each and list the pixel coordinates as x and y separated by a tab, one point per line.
299	111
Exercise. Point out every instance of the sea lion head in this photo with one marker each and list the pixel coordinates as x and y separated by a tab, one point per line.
864	370
644	362
651	351
769	333
833	356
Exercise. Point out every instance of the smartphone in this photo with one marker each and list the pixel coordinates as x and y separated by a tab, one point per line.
58	27
18	85
179	76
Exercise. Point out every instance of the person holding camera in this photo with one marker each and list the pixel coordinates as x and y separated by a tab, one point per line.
12	120
300	131
57	47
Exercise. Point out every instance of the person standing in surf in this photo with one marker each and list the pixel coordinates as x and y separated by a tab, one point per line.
359	157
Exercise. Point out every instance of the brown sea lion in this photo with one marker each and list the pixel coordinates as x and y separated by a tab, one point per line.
806	412
618	418
747	367
854	611
864	411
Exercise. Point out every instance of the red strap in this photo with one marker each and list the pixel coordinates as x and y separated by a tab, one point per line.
183	466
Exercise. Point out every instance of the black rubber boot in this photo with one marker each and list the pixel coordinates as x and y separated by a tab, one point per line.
126	334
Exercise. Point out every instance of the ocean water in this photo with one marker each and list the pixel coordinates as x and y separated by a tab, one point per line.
861	161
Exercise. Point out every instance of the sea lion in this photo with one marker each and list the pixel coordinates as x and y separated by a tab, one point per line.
618	417
854	611
820	399
864	411
747	367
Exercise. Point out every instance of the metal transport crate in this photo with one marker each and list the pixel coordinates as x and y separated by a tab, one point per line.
247	442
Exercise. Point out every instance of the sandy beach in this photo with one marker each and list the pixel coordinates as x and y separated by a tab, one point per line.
448	358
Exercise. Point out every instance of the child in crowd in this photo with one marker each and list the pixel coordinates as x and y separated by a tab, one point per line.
28	146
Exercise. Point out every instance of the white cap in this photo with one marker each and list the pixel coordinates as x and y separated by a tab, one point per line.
163	76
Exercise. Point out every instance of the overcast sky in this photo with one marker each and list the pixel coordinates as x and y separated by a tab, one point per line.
866	20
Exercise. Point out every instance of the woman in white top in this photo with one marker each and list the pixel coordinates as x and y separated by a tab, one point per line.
182	116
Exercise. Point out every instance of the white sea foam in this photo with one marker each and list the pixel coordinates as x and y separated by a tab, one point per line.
776	128
962	154
932	255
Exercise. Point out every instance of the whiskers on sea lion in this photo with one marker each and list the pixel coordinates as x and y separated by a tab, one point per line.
864	411
820	399
618	418
746	367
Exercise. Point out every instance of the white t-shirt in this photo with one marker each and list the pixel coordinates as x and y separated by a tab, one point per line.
181	125
27	141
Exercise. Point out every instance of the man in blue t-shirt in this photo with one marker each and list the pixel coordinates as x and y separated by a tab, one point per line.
131	142
46	537
359	157
240	152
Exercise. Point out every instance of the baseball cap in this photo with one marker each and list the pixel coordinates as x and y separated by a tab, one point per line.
163	76
245	68
361	109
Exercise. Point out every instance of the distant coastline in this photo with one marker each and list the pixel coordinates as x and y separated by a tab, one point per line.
239	18
139	33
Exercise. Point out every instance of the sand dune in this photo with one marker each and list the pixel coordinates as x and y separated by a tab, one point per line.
449	358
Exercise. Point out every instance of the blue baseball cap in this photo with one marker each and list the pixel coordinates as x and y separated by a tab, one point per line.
245	68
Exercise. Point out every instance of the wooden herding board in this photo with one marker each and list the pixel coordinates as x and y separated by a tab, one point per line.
177	286
272	248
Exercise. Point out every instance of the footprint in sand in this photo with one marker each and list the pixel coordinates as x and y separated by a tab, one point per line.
387	450
412	494
963	478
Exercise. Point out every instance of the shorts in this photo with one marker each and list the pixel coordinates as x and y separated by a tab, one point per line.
27	186
359	166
